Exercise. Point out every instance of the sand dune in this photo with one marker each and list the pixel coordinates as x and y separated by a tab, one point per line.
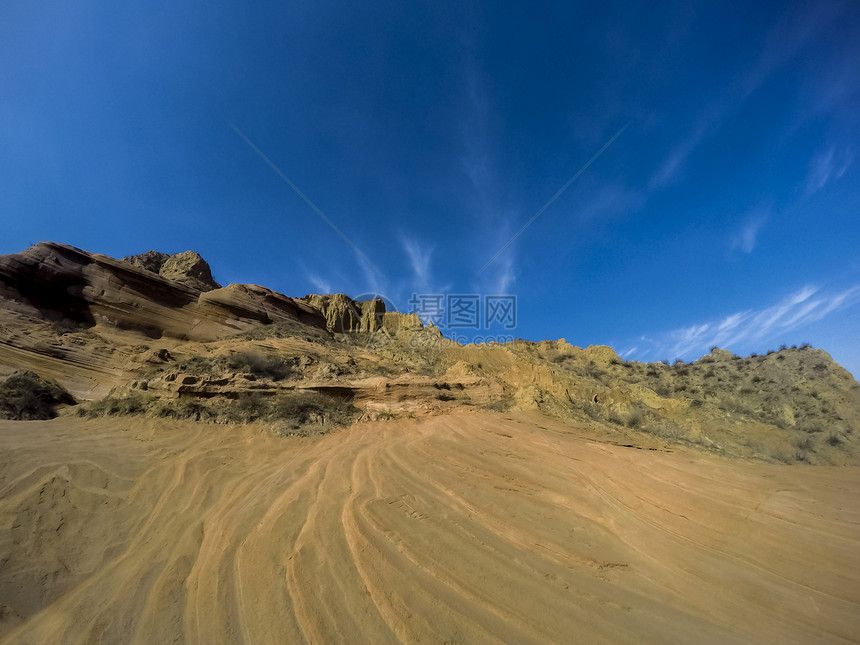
465	527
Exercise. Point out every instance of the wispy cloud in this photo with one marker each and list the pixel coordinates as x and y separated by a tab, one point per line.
319	284
505	277
670	169
746	237
789	34
420	258
799	309
558	194
628	352
828	165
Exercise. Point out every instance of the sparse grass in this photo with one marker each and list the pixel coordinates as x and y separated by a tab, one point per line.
289	330
805	444
289	411
293	411
113	406
201	365
502	404
24	395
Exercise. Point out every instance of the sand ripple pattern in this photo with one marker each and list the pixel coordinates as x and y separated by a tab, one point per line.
455	529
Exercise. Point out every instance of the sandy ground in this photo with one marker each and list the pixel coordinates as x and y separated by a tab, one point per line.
458	529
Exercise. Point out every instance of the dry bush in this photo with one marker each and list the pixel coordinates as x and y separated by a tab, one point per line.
25	395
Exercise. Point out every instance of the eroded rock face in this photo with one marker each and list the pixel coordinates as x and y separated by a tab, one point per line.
151	260
345	315
63	284
187	268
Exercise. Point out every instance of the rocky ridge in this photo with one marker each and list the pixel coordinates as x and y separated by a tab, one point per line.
135	341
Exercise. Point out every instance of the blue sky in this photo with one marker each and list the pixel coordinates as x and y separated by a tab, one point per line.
726	211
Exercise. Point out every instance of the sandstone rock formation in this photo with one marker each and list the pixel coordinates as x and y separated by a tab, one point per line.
66	285
187	268
345	315
93	325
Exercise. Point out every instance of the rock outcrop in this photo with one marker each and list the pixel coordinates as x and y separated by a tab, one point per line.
187	268
65	285
345	315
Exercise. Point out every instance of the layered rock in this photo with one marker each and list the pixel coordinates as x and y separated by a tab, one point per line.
66	285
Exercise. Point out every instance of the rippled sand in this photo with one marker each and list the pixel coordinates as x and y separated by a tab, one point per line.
471	527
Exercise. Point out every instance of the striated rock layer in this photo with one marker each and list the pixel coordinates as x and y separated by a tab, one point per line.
66	285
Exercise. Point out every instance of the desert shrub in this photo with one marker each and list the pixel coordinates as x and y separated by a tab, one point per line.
631	417
733	404
501	404
200	365
183	408
833	439
24	395
634	418
594	372
293	410
288	329
264	366
806	346
112	406
805	443
289	411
